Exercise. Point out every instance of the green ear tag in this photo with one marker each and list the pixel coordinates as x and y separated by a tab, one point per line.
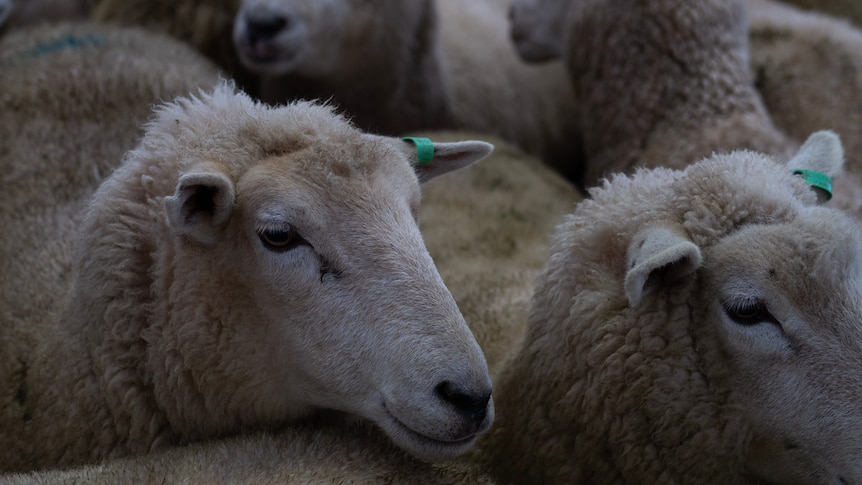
817	179
424	148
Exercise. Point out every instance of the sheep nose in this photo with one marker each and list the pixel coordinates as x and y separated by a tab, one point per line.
471	405
265	28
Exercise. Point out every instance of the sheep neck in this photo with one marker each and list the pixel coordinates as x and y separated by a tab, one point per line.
100	359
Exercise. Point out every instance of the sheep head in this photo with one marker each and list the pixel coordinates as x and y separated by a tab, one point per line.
320	38
289	275
696	326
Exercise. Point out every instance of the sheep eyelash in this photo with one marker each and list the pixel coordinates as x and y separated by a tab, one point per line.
294	240
749	312
326	267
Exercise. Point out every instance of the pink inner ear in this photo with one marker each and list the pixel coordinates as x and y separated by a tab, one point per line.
198	200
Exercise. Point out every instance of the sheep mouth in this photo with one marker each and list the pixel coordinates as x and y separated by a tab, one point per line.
265	54
424	446
260	52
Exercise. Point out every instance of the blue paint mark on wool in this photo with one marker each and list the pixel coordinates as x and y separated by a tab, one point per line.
70	42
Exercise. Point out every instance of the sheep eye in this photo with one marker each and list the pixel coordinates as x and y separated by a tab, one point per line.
749	313
281	239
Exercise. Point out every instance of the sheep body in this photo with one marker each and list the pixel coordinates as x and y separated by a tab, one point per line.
688	327
146	367
695	93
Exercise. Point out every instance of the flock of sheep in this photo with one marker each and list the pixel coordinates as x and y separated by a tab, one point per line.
233	251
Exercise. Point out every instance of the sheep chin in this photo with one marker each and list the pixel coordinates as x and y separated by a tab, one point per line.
270	60
421	446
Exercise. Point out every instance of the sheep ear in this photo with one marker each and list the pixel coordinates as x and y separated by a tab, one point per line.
658	255
201	205
819	160
431	159
822	151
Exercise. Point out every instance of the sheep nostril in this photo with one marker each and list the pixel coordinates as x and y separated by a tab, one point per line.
265	28
474	406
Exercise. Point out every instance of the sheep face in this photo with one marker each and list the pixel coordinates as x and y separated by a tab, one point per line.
786	306
694	326
536	28
313	38
773	312
297	280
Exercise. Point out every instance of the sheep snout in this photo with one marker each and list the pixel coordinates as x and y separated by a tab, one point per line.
268	41
535	30
447	426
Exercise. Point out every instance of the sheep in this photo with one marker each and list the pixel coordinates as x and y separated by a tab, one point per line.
690	63
318	453
396	66
15	14
487	231
238	271
692	326
807	68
